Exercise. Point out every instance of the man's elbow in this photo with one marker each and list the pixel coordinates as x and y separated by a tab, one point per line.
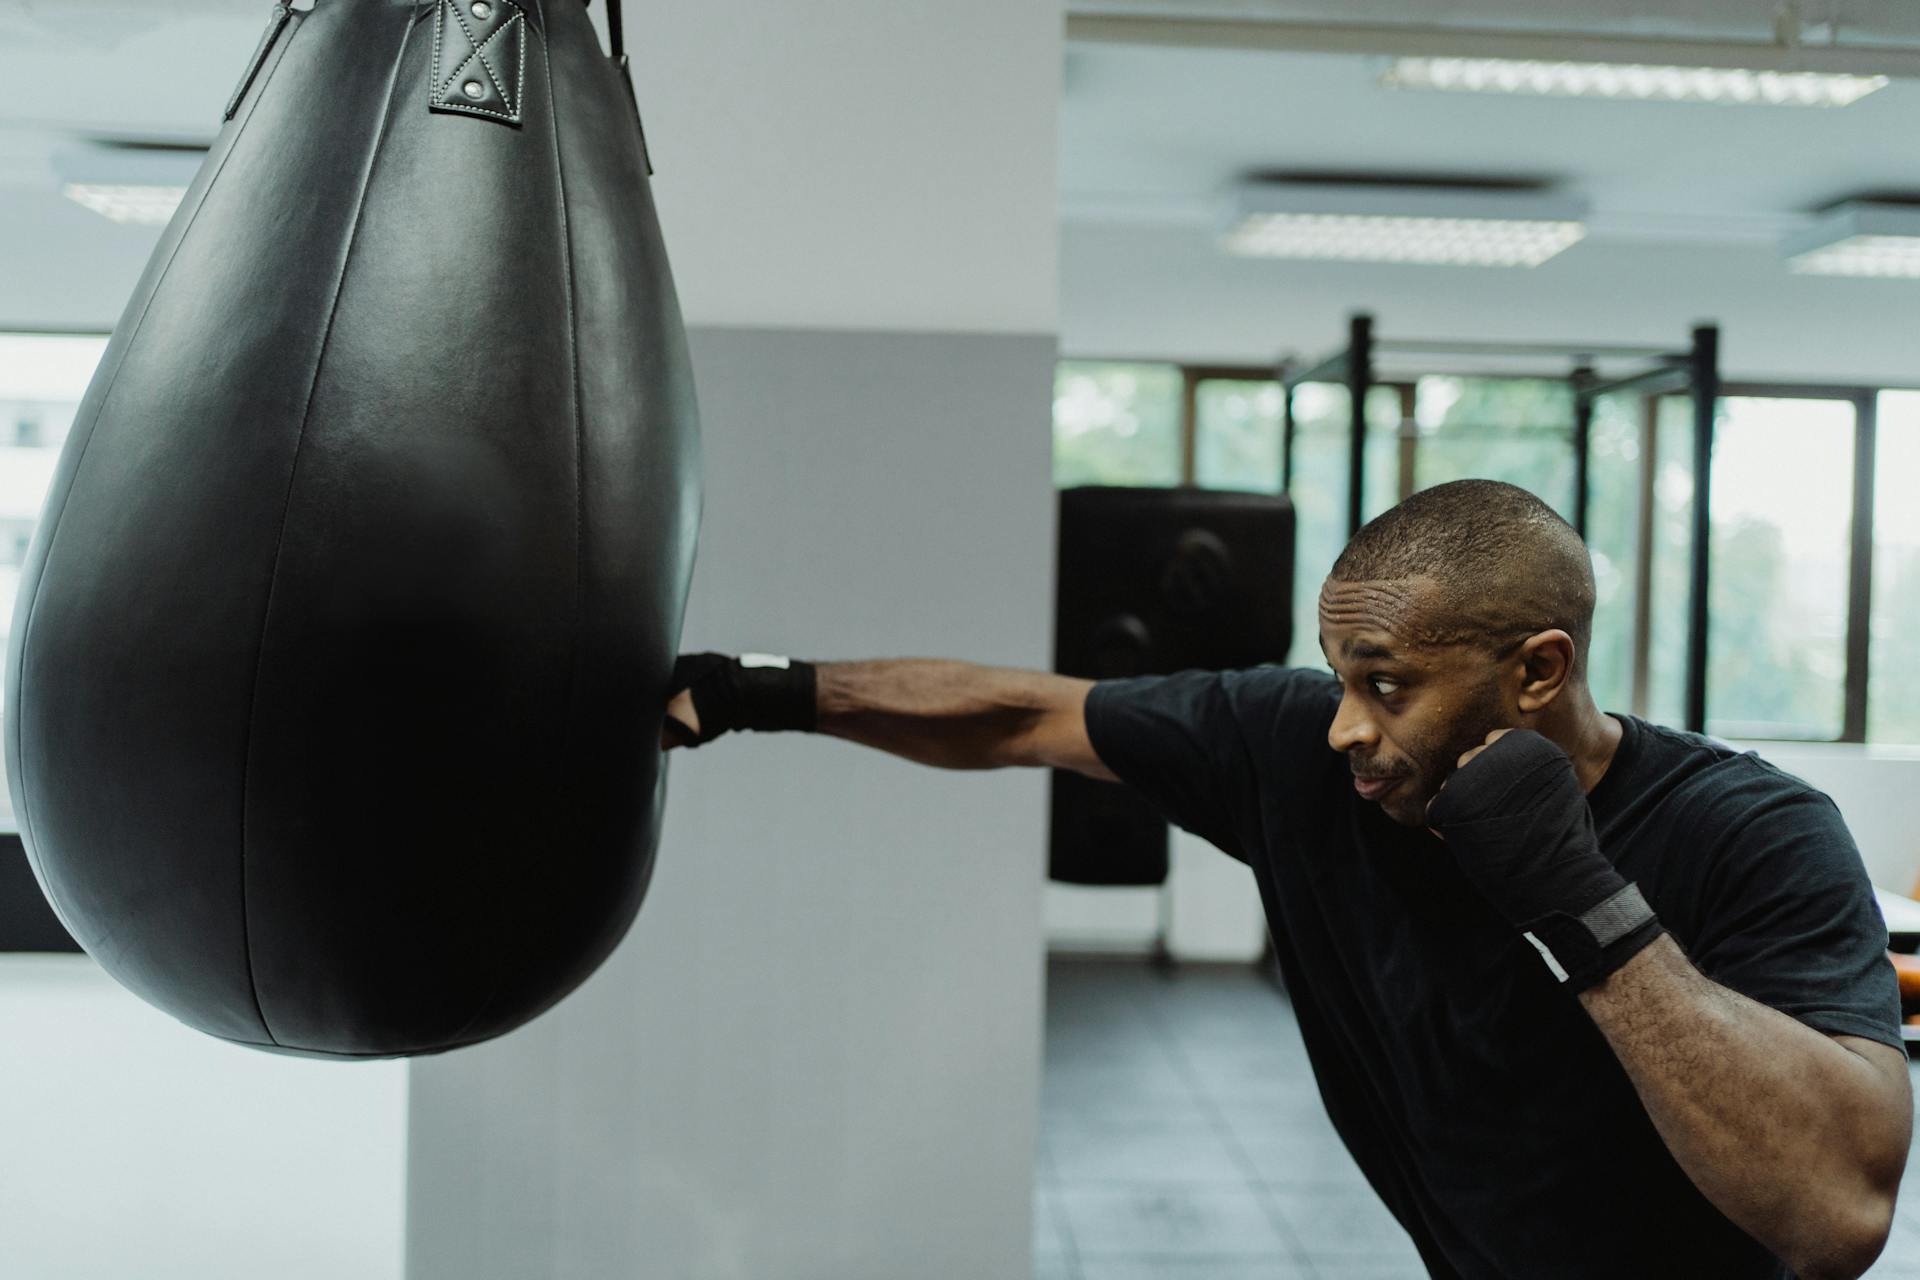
1852	1242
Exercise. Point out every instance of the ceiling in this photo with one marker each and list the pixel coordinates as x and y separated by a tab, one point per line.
1159	133
1863	22
149	70
1689	202
1152	134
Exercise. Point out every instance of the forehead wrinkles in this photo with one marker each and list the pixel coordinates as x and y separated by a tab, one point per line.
1386	605
1403	608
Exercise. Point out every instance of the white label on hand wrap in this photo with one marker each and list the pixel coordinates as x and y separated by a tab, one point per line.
765	660
1559	974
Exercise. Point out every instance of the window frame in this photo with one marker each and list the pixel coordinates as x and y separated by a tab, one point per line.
1860	524
1865	401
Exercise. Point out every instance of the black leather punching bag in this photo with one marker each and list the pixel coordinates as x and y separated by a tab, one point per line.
337	671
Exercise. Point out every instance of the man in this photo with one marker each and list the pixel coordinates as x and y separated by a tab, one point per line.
1584	996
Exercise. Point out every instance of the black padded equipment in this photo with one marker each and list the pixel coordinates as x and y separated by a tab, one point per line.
27	923
338	668
1152	581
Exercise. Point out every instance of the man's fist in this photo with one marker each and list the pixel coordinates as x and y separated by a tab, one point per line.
711	693
1461	763
1516	820
681	728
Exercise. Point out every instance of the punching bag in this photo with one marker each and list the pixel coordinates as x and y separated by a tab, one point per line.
339	659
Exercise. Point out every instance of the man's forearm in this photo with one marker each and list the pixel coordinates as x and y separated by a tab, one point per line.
955	715
1787	1131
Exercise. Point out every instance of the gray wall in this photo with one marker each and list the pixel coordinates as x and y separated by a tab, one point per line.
817	1054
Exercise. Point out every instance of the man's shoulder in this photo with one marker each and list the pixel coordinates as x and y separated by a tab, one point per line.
1251	694
1714	791
1274	686
1708	769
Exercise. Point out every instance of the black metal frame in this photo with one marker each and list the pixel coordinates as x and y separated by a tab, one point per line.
1588	387
1694	372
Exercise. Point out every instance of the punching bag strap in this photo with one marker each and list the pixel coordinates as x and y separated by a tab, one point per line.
617	50
615	47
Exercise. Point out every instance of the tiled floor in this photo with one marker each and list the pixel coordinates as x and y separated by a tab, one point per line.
1182	1139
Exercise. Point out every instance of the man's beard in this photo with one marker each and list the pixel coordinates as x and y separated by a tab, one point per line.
1486	712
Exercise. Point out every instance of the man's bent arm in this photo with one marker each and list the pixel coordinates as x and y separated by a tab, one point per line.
1798	1137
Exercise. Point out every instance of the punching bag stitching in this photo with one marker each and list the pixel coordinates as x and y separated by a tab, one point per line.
480	52
86	443
306	413
442	97
579	534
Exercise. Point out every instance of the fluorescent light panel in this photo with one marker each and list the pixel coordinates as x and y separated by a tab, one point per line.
1476	242
1862	256
1631	81
139	204
1859	238
1441	224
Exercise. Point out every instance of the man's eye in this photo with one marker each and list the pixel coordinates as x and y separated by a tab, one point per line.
1381	686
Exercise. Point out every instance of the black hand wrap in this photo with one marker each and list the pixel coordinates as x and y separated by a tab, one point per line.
754	691
1516	819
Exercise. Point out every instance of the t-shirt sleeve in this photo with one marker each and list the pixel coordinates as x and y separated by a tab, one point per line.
1792	921
1177	741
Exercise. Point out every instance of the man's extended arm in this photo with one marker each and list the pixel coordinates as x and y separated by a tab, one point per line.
1798	1137
954	715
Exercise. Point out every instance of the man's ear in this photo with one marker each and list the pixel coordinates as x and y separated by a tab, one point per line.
1547	658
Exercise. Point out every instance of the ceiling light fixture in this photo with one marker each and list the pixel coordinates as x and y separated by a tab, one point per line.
1425	225
1631	81
147	206
1859	238
1476	242
138	183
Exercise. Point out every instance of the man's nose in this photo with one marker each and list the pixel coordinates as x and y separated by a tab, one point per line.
1351	728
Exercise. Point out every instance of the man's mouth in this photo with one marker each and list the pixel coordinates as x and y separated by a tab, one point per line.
1372	788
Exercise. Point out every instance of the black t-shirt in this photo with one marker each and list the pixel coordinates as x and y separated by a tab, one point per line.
1477	1096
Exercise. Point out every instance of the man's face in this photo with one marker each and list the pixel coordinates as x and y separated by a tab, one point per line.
1408	710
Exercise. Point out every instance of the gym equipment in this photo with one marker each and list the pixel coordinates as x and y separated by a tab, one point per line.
337	670
1647	371
26	922
1152	581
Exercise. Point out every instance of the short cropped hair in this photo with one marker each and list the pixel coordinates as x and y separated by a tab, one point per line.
1504	563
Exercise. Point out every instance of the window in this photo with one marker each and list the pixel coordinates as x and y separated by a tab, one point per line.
1519	430
1319	491
1777	646
1670	561
1893	706
1615	467
42	378
1778	565
1117	424
1237	434
1786	595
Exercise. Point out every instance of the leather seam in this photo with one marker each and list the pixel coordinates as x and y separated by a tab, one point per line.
573	359
106	395
293	471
